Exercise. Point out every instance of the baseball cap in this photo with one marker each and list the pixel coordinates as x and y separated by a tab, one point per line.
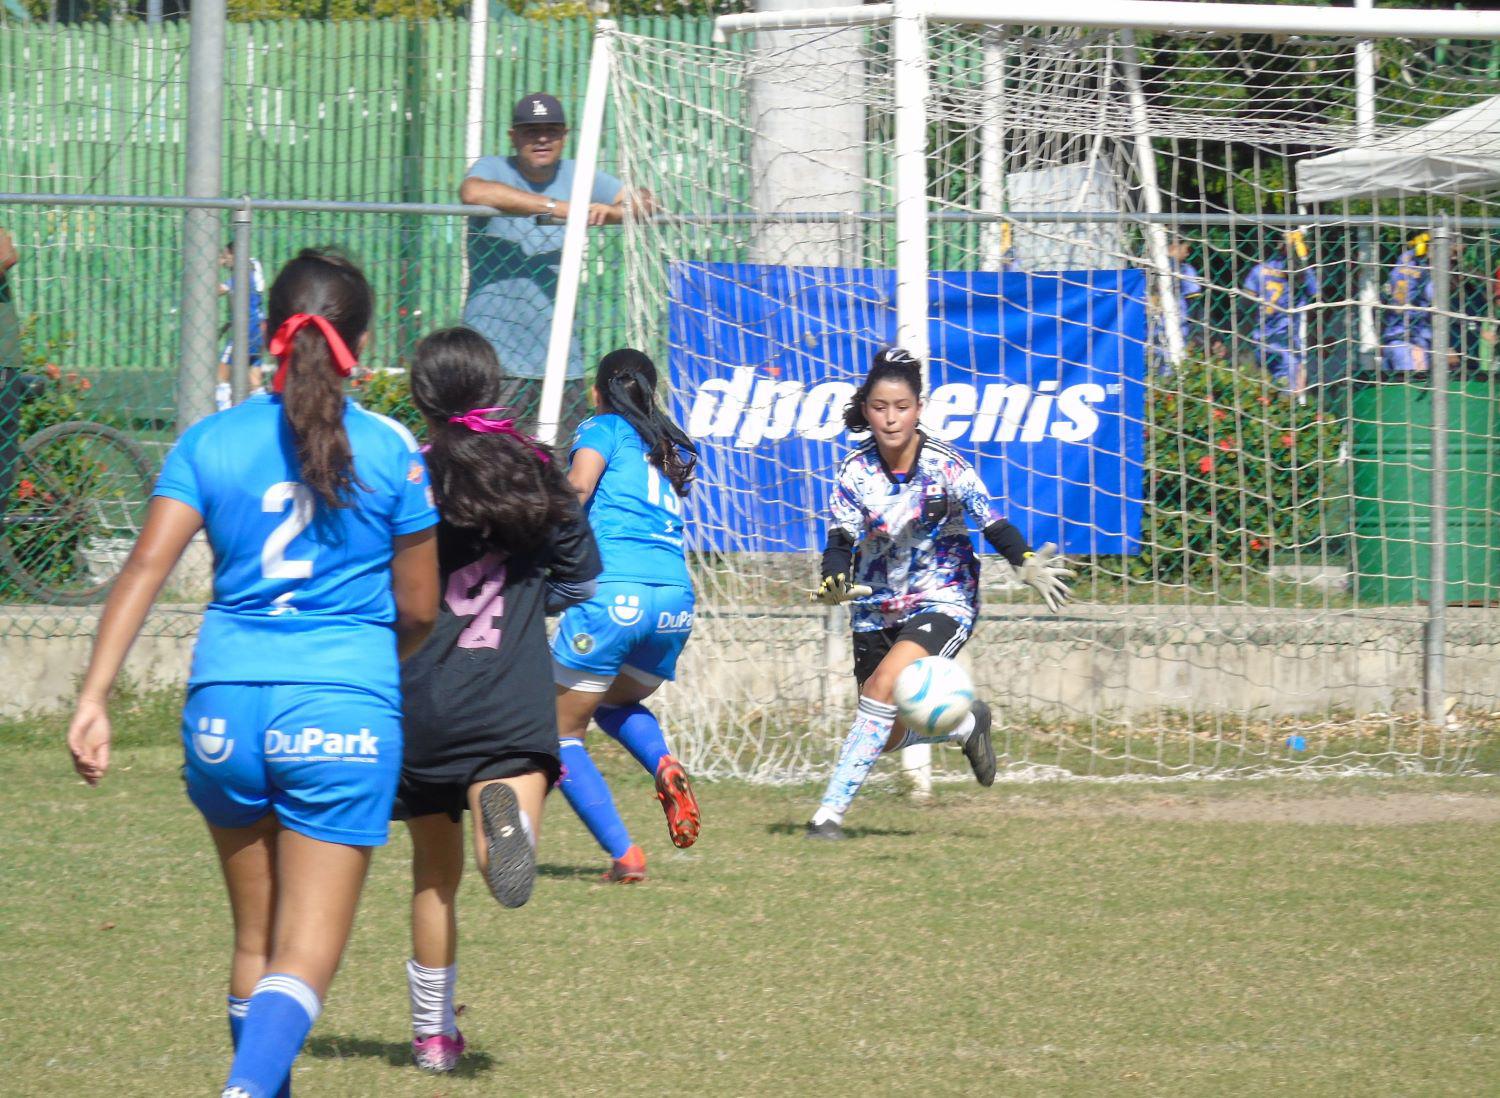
537	109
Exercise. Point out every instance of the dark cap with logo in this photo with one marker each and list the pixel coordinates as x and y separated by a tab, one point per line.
538	109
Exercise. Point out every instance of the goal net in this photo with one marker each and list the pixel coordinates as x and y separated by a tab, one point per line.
1186	293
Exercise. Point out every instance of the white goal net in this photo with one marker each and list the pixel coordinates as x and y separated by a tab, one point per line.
1187	295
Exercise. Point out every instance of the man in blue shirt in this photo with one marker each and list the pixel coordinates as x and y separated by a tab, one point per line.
514	257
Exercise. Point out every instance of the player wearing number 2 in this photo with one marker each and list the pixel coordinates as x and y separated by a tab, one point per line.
631	467
902	498
325	572
481	725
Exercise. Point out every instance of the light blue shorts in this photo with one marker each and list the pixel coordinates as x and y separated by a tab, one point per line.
324	758
638	628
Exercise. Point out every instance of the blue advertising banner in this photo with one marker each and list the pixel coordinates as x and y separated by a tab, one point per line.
1037	379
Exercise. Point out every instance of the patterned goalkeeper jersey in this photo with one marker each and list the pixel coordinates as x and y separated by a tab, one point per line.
914	550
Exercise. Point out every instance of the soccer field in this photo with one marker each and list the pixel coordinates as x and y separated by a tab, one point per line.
1249	938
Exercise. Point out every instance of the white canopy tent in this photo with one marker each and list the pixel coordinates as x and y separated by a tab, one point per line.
1458	153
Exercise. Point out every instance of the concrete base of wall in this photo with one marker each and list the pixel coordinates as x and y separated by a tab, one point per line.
1092	661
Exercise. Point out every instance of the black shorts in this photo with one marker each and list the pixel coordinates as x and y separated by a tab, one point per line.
938	633
416	797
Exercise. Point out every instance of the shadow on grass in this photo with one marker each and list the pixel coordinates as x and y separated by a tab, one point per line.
849	832
338	1047
569	872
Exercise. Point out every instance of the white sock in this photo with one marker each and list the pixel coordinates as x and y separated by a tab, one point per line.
824	814
526	826
960	735
432	999
223	395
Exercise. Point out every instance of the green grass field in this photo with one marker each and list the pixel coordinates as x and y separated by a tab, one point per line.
1236	938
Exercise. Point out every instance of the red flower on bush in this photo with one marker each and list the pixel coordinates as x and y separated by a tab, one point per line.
1225	444
1257	544
85	384
1288	439
1219	413
25	489
52	371
1206	464
1263	401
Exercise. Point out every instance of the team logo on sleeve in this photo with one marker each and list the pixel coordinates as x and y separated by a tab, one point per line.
414	472
211	742
583	643
626	610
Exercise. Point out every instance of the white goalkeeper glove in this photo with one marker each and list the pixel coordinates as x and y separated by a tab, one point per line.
1046	573
837	589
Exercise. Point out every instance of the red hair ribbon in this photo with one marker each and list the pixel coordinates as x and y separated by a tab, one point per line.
479	422
281	346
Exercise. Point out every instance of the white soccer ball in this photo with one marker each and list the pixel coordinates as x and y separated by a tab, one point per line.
933	695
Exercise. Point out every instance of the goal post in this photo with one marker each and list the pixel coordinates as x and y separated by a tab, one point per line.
1215	387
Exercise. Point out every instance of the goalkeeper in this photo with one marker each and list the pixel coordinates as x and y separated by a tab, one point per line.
902	498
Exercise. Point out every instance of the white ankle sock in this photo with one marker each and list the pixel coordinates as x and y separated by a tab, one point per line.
824	814
960	735
432	999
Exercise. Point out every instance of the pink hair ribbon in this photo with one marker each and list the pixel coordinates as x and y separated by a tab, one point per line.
281	346
479	422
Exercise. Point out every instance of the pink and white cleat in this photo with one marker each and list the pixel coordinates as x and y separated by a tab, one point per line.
438	1052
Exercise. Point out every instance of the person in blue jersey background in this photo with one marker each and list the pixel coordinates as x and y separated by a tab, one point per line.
1279	340
321	522
631	467
1406	336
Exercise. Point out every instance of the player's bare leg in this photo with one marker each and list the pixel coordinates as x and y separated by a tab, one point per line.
432	972
507	820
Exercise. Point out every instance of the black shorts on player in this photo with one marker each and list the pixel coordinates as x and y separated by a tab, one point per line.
939	634
416	798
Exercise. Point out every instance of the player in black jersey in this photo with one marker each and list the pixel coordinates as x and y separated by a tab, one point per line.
481	722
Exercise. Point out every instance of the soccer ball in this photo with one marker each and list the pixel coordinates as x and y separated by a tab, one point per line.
933	695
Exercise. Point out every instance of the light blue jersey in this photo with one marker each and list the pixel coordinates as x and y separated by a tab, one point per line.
635	513
302	592
514	263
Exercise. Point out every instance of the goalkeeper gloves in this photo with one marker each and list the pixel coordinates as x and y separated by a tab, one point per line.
1046	573
1297	238
838	589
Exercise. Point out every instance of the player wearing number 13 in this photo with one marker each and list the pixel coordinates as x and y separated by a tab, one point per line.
631	467
325	572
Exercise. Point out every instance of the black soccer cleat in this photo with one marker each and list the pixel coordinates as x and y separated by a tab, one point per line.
510	865
978	748
828	829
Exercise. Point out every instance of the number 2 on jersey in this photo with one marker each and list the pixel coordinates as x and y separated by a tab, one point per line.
273	562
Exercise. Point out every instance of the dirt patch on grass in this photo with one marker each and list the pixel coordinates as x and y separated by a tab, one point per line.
1394	809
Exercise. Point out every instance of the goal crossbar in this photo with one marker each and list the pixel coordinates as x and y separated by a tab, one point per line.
1162	15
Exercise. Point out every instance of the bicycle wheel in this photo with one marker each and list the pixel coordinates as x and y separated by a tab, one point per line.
77	501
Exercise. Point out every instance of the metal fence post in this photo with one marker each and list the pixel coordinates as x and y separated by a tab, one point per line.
200	228
239	304
1435	634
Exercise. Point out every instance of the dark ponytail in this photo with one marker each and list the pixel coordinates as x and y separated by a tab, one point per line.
891	364
496	485
324	283
627	387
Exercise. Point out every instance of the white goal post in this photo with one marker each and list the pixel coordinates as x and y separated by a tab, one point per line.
1151	342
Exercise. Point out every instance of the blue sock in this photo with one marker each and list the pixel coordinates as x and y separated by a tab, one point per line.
638	731
584	788
238	1008
862	747
281	1012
